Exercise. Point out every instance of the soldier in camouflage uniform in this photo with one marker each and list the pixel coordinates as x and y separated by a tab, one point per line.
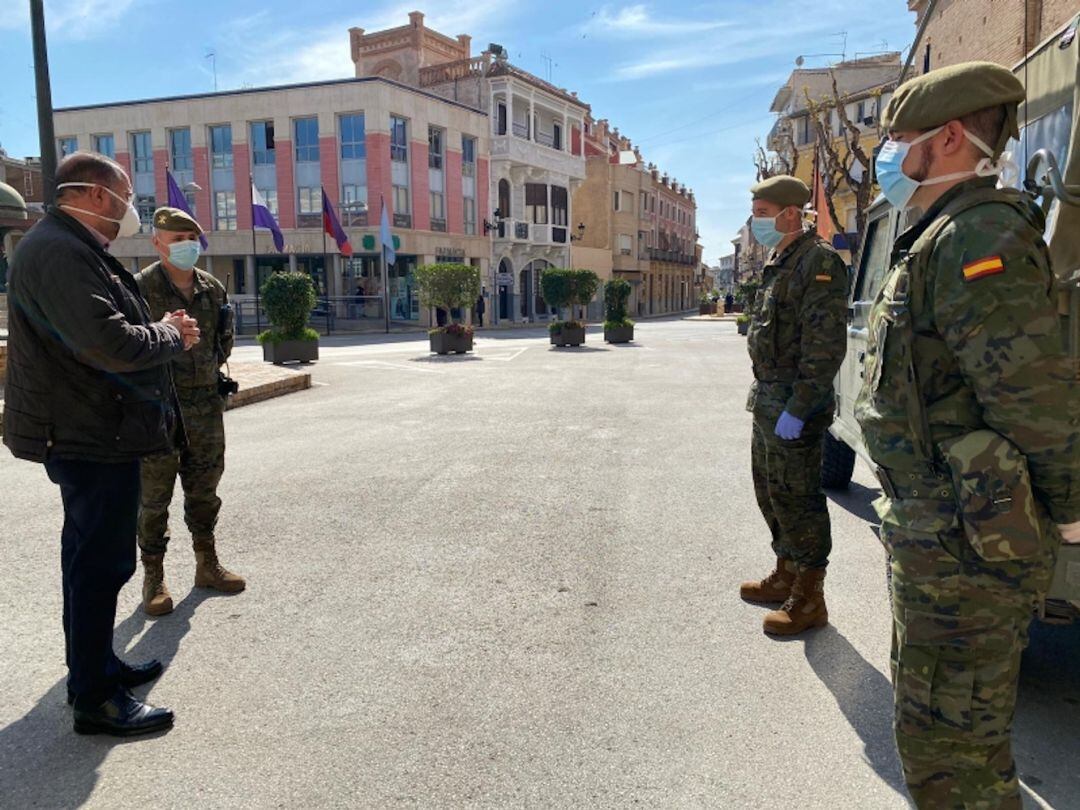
169	284
797	340
970	412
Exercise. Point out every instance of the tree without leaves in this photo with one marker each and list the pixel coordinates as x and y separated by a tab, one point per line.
837	156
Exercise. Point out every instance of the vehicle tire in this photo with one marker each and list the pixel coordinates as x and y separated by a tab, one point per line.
837	463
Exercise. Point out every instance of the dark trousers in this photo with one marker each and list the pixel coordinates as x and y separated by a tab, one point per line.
101	507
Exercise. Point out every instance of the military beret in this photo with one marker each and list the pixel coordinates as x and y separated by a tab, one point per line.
783	189
948	93
173	219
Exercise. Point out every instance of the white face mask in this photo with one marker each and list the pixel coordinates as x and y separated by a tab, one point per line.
129	223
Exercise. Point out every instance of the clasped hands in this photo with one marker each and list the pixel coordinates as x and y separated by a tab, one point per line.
183	323
788	427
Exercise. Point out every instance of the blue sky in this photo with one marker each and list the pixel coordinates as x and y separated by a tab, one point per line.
690	83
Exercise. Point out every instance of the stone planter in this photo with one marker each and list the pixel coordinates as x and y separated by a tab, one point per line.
445	343
568	336
291	351
619	334
705	309
744	327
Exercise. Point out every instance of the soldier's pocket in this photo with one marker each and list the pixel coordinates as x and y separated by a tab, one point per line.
801	472
993	488
950	672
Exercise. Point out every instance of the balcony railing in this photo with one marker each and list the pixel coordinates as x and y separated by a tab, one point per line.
521	130
452	71
521	230
402	220
438	225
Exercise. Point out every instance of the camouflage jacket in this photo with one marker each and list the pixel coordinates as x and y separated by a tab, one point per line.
198	367
798	328
974	291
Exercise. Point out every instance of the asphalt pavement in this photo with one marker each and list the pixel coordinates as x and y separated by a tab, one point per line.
508	579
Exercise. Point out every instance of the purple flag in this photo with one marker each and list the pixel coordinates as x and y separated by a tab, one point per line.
385	237
262	218
178	200
333	227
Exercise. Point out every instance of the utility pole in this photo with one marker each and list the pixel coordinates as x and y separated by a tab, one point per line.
212	56
46	138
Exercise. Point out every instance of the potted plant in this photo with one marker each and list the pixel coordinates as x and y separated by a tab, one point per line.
617	327
745	295
567	287
289	299
743	323
704	304
449	286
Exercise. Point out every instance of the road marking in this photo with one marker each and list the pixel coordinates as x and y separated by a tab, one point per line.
395	366
504	358
321	383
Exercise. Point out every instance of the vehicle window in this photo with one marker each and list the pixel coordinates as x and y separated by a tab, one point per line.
875	259
1052	131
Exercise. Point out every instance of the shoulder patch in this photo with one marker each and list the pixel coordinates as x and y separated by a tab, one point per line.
981	268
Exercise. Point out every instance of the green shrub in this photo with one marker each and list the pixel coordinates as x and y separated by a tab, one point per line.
567	287
557	326
448	285
743	318
616	294
746	292
289	299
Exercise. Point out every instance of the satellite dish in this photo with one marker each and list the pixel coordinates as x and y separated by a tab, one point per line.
799	61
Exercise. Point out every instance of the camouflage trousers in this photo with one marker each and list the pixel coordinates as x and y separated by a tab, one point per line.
200	466
787	483
960	624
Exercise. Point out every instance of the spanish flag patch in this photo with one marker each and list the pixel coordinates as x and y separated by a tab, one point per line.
986	266
823	278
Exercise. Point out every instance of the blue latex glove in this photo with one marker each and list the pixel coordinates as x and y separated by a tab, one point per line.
788	427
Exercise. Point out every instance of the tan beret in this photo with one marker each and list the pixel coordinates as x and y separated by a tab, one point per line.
783	189
948	93
173	219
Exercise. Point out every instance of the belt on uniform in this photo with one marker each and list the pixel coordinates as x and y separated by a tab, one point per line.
776	375
899	485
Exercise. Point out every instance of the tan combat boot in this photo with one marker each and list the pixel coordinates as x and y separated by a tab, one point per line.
776	587
805	608
209	573
156	599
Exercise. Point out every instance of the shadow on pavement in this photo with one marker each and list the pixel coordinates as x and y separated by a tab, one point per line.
857	500
1046	732
43	763
863	695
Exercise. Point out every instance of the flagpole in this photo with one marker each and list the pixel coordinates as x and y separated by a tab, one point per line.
326	271
385	276
255	258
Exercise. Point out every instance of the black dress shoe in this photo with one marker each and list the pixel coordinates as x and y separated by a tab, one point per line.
131	675
122	715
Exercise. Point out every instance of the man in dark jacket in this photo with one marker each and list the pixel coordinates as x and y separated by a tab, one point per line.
88	394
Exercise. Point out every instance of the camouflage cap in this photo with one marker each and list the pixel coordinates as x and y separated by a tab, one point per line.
948	93
783	189
173	219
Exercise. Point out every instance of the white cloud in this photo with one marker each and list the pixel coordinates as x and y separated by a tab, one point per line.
637	21
68	19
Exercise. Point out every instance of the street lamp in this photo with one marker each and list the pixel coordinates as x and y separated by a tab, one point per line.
580	233
490	226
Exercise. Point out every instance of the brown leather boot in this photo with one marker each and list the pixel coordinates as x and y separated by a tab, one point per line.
209	573
156	599
805	608
776	587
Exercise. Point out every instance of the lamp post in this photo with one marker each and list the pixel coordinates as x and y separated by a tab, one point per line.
46	137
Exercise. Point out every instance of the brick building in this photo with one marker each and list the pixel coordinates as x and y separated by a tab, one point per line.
1001	31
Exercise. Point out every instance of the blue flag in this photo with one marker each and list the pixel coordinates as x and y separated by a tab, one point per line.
262	218
178	200
385	238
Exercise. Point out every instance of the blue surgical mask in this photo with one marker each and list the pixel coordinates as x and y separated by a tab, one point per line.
898	188
184	254
764	230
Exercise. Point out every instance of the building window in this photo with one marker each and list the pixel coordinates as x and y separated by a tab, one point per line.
105	145
221	154
352	136
470	216
180	148
438	211
310	201
225	211
536	203
625	244
435	148
262	143
353	200
307	140
468	156
500	119
615	201
399	140
558	206
145	205
556	136
270	195
65	146
142	153
402	217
